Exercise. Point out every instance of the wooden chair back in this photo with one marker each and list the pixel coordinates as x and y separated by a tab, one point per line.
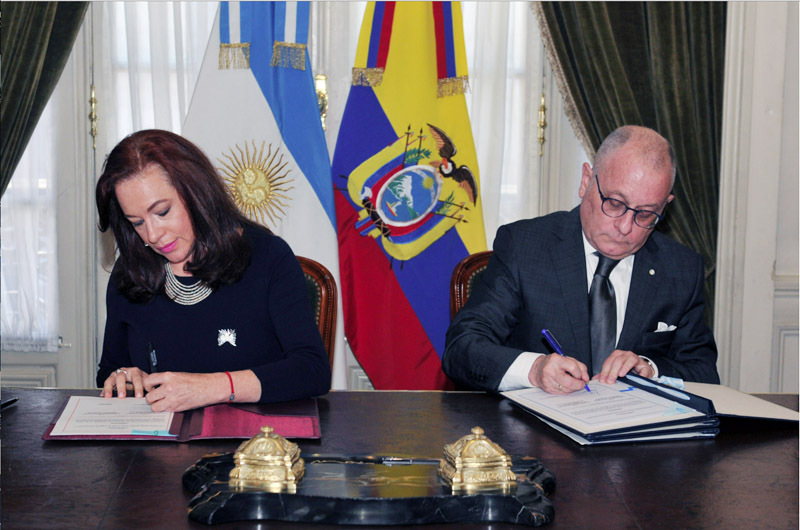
464	276
322	292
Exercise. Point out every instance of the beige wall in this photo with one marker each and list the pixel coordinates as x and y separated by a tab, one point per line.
756	321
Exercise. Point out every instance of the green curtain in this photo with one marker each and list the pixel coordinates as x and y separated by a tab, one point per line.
35	42
657	64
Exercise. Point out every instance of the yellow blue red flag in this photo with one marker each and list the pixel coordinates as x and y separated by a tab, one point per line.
407	190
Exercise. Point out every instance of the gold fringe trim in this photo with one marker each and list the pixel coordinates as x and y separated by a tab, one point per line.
234	55
452	86
289	55
367	76
570	107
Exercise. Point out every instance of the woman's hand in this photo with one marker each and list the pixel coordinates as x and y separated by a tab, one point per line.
120	378
178	391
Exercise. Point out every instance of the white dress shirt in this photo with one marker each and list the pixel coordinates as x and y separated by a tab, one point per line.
620	277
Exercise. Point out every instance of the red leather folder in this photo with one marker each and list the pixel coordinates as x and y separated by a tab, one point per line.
290	419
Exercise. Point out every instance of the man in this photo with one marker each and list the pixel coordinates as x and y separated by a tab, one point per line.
644	316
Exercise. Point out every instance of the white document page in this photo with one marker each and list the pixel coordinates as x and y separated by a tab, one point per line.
606	407
730	402
84	415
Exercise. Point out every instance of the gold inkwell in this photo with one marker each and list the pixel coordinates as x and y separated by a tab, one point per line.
475	463
267	461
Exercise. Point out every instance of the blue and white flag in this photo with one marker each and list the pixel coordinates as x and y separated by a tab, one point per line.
254	112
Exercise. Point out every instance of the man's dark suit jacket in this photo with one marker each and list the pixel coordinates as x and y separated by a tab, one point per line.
536	279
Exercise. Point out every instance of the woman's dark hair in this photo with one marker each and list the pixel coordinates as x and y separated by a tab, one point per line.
220	253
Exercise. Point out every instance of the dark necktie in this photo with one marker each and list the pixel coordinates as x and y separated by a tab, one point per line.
602	313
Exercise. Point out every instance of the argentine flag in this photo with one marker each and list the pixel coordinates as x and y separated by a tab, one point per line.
254	112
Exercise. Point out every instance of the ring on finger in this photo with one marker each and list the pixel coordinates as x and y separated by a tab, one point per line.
560	388
121	371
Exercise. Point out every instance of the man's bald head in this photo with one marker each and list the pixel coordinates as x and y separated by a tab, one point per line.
651	148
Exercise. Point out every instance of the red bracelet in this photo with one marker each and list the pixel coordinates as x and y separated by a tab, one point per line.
233	394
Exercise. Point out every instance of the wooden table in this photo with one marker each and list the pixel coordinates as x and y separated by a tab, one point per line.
745	478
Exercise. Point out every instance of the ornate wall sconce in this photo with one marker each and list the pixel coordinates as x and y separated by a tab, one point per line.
321	85
93	117
542	125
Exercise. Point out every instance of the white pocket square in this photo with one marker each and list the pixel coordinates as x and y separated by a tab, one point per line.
662	326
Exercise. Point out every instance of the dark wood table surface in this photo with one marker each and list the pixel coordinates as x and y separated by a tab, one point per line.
745	478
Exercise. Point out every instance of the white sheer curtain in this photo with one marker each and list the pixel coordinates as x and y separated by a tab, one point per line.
146	60
508	74
29	290
505	69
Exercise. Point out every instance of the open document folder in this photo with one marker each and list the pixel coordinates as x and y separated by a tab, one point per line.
736	404
631	410
97	418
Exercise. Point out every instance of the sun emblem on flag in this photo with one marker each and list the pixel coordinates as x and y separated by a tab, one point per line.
258	182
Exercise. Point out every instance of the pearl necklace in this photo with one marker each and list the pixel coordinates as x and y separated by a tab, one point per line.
185	294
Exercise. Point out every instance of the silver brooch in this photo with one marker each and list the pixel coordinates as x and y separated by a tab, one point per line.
226	335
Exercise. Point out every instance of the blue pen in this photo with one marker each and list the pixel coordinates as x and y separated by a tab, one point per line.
557	347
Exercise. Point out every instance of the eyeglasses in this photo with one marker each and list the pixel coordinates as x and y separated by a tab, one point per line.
616	208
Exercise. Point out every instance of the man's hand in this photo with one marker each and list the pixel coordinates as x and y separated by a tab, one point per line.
619	363
557	374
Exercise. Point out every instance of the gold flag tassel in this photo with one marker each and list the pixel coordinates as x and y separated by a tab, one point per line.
289	55
367	76
452	86
234	55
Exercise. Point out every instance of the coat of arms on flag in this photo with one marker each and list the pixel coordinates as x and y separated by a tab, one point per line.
404	197
407	190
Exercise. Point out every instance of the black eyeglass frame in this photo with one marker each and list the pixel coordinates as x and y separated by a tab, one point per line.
604	200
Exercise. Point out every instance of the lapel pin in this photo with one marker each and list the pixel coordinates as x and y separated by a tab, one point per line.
652	272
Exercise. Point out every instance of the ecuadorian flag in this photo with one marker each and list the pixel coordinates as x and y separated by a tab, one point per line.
254	112
407	190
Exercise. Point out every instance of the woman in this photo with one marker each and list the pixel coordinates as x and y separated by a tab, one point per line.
203	306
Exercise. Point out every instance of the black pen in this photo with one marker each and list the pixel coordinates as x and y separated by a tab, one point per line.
152	360
8	403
